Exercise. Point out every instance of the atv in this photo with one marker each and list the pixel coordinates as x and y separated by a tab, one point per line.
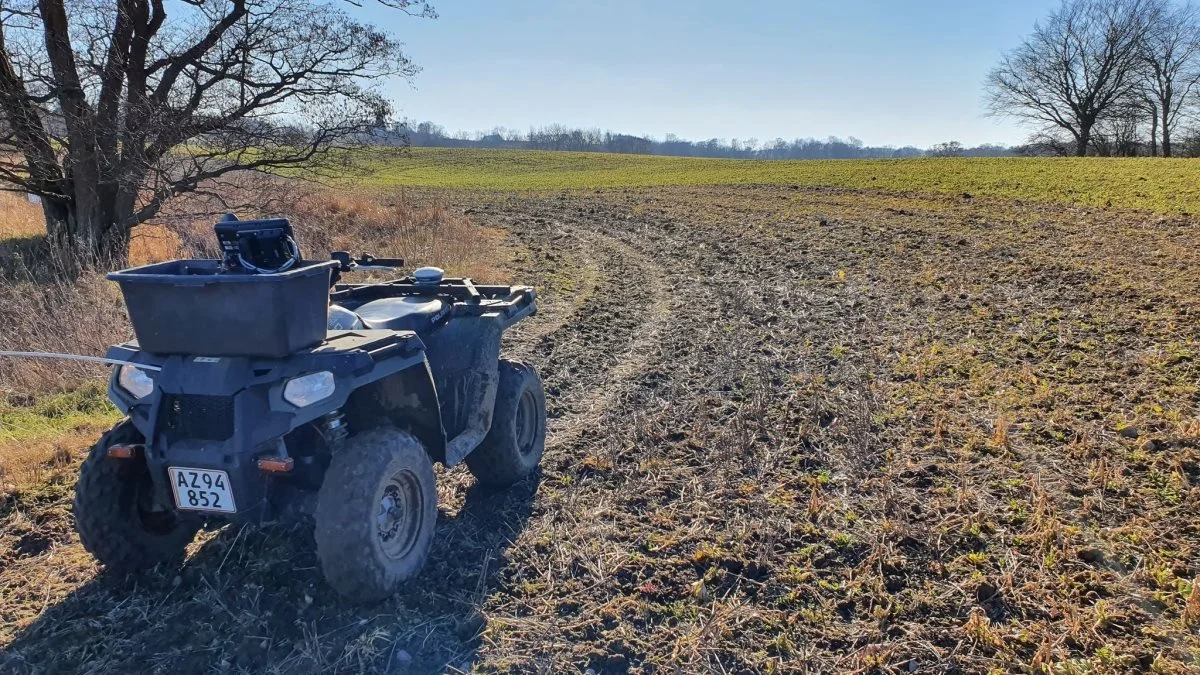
260	388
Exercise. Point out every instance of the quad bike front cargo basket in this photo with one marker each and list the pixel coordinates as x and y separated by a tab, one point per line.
190	307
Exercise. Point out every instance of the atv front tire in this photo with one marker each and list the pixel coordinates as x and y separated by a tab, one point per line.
514	445
376	512
115	514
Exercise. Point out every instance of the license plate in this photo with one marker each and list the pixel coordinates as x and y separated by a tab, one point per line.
201	490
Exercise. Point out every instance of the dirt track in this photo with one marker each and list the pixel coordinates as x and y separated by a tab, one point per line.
757	461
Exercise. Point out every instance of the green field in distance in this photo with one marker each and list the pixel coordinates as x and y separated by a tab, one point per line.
1153	184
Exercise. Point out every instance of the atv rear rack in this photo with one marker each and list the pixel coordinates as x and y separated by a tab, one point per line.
469	298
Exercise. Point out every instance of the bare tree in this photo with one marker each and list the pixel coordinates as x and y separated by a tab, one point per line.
947	149
108	108
1119	132
1075	66
1170	55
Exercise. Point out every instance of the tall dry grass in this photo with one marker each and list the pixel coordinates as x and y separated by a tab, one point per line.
19	218
423	232
47	304
40	311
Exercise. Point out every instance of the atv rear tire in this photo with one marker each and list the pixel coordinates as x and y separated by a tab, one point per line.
376	513
115	514
514	445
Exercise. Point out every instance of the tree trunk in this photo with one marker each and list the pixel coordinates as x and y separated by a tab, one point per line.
1166	131
1153	131
95	235
1083	139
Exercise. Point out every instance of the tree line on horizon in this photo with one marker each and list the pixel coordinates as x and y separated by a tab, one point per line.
563	138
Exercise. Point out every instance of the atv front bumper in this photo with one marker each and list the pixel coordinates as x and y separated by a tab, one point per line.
218	417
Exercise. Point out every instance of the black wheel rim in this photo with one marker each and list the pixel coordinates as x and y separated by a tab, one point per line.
527	422
398	516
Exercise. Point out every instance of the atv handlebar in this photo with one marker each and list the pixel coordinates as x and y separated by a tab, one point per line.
366	262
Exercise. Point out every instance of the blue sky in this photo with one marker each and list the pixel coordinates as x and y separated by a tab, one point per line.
897	73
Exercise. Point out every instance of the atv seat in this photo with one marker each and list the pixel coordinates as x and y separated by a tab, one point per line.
413	313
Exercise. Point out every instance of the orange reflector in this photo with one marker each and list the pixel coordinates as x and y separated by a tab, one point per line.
125	451
276	464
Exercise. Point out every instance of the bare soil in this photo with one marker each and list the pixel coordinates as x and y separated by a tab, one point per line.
791	430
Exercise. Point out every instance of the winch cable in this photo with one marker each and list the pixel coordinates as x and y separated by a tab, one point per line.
77	357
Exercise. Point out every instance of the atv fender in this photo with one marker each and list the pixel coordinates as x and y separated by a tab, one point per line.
464	355
405	400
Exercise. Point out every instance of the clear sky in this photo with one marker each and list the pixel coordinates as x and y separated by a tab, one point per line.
890	72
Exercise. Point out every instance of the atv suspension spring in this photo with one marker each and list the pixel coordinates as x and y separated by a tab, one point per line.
333	428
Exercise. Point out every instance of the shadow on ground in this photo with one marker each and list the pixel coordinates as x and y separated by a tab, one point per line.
253	600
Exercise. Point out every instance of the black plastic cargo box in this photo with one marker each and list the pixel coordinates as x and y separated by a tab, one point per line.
186	307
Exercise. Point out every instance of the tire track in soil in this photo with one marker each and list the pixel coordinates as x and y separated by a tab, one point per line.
587	343
683	479
607	334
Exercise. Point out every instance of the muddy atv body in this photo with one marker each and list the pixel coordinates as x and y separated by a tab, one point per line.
345	431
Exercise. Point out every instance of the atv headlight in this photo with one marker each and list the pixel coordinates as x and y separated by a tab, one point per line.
135	381
309	389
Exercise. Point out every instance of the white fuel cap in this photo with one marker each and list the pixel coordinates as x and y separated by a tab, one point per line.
429	275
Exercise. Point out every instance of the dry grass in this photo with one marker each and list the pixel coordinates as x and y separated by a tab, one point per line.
47	456
19	218
44	309
422	231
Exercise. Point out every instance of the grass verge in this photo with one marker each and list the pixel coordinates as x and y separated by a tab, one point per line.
40	436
